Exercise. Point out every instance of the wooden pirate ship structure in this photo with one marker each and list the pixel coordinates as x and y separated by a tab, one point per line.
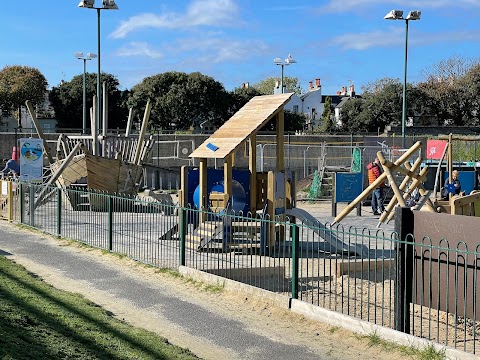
98	163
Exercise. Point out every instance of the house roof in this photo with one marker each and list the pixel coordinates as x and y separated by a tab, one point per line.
335	99
244	123
343	101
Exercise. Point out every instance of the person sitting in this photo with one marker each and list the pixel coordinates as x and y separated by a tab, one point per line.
374	171
11	166
455	187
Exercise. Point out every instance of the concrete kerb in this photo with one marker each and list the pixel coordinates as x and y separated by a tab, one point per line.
365	328
280	300
324	316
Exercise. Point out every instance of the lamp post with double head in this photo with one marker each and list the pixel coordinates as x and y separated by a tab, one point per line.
398	15
288	61
89	56
106	5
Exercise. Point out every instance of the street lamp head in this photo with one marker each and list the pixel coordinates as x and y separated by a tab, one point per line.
86	4
79	55
277	61
290	60
106	4
394	15
109	4
91	56
414	15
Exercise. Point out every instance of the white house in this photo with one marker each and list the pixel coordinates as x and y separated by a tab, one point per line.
311	103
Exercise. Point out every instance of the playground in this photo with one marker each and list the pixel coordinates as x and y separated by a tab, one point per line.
246	224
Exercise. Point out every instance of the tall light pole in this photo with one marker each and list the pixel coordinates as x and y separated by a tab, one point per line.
398	15
106	5
89	56
288	61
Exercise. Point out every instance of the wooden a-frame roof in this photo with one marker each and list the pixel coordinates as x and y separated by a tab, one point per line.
243	124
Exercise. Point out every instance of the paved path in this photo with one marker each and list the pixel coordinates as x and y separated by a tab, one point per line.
176	314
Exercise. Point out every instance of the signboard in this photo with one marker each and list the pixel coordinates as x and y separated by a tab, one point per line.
435	149
347	186
31	159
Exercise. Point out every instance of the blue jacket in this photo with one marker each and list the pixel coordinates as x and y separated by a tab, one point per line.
11	166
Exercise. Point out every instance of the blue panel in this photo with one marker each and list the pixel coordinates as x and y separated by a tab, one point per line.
348	186
212	147
467	180
215	177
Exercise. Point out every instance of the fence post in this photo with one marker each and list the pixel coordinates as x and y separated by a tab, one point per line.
31	204
9	201
22	203
404	260
182	219
59	212
295	258
110	222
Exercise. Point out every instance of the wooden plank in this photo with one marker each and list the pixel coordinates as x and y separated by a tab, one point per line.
280	151
248	120
252	167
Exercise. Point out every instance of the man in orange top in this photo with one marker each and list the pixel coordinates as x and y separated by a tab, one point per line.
374	171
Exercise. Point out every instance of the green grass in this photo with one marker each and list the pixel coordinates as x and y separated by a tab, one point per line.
428	353
41	322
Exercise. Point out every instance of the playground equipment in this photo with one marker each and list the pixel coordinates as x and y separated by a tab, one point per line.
456	204
220	194
413	181
117	168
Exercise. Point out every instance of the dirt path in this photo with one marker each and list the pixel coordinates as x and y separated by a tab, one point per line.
260	317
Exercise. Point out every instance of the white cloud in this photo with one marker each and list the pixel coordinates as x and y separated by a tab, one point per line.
139	49
395	36
363	41
198	13
216	50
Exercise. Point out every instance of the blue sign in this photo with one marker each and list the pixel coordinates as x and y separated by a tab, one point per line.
347	186
31	159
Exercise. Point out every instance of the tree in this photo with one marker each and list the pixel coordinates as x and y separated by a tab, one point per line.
67	100
266	87
352	116
19	84
181	101
328	123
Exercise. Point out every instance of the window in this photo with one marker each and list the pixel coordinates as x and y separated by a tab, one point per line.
295	109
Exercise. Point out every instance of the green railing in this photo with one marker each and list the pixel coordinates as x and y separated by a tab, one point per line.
373	277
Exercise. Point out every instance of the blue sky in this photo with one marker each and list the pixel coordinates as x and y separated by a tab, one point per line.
235	41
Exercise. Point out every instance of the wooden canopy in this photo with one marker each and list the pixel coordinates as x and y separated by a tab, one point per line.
245	122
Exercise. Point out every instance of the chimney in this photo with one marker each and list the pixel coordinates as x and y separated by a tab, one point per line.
247	85
339	93
317	83
352	90
344	90
243	85
310	85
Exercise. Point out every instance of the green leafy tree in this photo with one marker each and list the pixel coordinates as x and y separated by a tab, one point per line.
352	116
181	101
291	122
328	123
67	101
266	87
383	106
19	84
450	91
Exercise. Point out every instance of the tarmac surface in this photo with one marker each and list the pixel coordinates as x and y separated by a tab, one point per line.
176	314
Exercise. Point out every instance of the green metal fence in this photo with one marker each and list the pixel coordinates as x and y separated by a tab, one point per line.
368	276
